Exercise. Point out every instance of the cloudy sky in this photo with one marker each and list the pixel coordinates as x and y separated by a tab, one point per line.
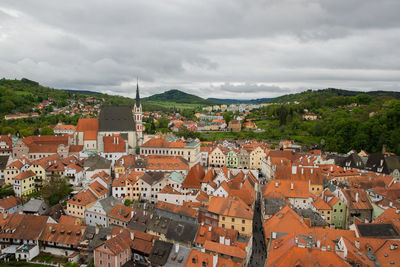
212	48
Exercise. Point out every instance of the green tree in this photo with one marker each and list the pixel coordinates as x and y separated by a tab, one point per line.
55	189
227	117
47	131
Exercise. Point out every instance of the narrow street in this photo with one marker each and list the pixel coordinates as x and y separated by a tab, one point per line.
259	255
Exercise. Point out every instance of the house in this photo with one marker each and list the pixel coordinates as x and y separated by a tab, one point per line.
14	168
310	117
296	192
61	128
77	205
93	165
150	184
176	212
233	213
232	159
358	205
339	212
189	150
198	258
120	215
62	239
10	204
18	229
24	183
256	157
234	126
75	173
97	213
115	251
217	157
37	147
6	145
35	207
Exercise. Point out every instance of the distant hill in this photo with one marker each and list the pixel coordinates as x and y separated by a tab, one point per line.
228	101
331	92
82	92
177	96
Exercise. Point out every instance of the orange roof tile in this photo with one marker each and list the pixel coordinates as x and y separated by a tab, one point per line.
122	213
227	250
114	144
194	176
320	204
161	142
83	198
10	202
24	175
233	207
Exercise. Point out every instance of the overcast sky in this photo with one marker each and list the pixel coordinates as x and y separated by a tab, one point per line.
212	48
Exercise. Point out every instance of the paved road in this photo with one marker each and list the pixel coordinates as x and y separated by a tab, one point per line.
258	257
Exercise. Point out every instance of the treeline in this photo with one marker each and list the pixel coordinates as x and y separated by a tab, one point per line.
344	122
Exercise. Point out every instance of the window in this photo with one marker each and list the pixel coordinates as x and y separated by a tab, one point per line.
223	218
233	219
243	221
243	229
223	225
233	227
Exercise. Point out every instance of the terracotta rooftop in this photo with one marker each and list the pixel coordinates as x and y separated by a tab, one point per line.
24	175
10	202
83	198
194	176
63	233
233	207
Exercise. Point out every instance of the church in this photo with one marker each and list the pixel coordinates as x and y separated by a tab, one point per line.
113	121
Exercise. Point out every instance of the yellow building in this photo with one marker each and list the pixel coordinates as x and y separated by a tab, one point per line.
256	157
233	213
217	157
77	205
24	183
323	209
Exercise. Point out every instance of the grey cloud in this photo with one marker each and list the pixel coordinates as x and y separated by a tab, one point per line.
208	47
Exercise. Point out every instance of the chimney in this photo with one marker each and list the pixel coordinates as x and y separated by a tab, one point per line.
222	239
312	170
114	140
357	197
291	186
132	214
132	235
294	169
302	170
331	168
97	230
318	243
176	248
383	149
276	184
215	260
210	228
117	140
227	241
357	244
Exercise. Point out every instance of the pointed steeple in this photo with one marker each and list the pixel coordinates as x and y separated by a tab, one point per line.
137	93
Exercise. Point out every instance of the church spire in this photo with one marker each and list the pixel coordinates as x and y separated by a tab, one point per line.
137	93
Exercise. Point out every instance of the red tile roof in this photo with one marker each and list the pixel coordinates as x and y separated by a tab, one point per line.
90	128
194	176
63	233
24	175
10	202
122	213
161	142
226	250
233	207
84	197
114	144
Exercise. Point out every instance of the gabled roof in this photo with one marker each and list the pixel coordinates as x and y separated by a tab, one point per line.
357	199
233	207
118	243
83	198
227	250
114	144
63	233
194	176
10	202
24	175
19	226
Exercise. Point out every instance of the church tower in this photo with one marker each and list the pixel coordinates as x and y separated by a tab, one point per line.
137	113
